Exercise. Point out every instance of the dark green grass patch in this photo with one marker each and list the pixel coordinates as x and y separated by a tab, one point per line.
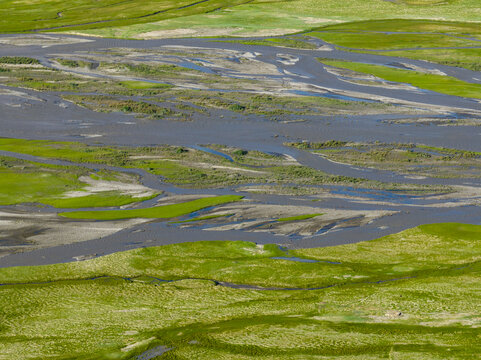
299	217
18	60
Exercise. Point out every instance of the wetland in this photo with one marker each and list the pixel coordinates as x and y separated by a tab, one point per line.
310	195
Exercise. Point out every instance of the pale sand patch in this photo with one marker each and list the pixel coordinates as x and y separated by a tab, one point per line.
137	344
225	31
463	196
268	32
290	160
416	177
230	168
184	32
287	59
34	230
420	107
250	216
472	193
423	69
41	40
176	199
315	20
286	72
151	157
99	186
91	136
14	93
448	319
353	77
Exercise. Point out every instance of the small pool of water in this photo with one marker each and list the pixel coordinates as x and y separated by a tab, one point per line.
193	66
372	194
214	152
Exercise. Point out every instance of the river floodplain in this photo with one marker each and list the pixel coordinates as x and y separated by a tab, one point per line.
273	197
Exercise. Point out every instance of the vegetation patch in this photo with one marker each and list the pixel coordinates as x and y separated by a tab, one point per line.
30	182
188	166
305	145
266	17
109	104
413	159
18	60
84	15
419	299
156	212
442	84
299	217
103	199
144	85
282	42
391	41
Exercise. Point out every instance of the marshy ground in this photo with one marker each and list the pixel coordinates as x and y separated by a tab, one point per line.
285	146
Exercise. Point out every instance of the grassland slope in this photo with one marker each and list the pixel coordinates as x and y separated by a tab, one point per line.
412	295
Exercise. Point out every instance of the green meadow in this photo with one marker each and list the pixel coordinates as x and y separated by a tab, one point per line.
415	294
22	16
184	171
464	58
265	17
132	18
433	82
157	212
450	43
412	295
380	41
30	182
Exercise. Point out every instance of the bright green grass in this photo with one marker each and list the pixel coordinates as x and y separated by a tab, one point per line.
283	17
438	83
103	199
410	253
30	182
368	36
81	153
85	318
35	185
20	16
377	41
465	58
184	171
144	85
457	28
157	212
299	217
